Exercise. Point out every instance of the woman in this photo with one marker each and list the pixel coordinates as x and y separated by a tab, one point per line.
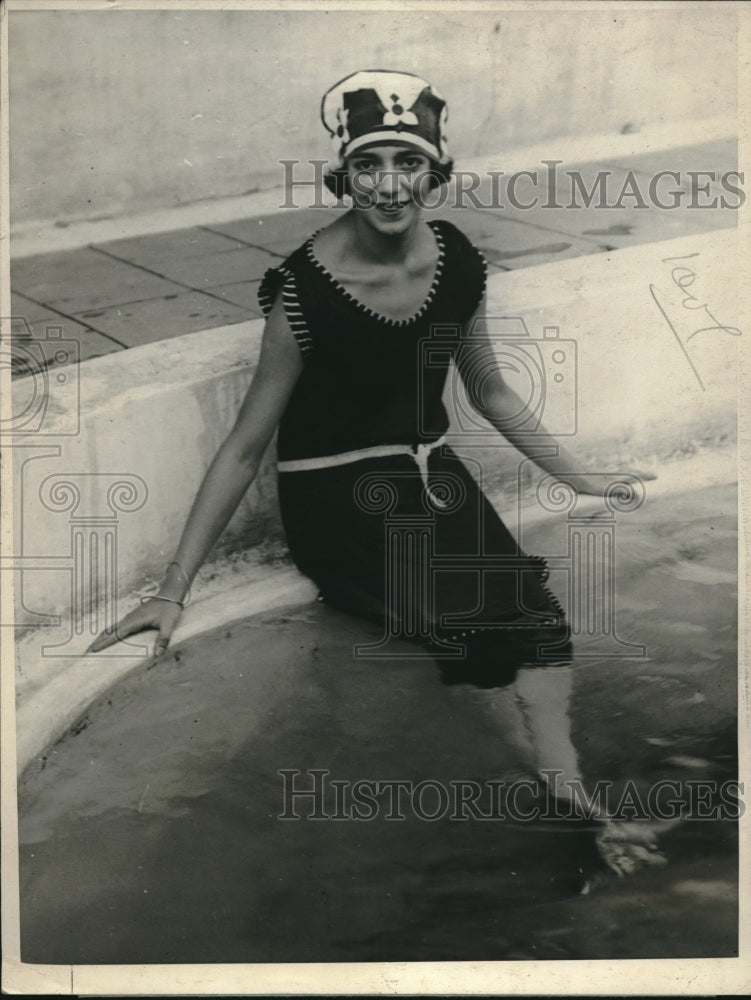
341	373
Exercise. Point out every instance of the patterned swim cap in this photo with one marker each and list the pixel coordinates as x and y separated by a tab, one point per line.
387	107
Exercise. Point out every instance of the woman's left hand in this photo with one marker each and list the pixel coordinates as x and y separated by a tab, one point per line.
600	486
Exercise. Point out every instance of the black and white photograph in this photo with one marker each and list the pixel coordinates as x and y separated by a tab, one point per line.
372	432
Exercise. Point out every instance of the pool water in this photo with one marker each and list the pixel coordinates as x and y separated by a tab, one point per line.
151	832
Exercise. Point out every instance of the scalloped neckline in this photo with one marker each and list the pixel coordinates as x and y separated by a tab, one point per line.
372	313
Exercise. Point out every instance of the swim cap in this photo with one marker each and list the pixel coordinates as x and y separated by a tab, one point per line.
387	107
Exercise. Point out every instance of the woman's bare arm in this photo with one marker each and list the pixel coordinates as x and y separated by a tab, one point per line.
237	462
227	479
495	400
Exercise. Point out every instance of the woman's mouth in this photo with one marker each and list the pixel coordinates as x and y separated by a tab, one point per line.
392	209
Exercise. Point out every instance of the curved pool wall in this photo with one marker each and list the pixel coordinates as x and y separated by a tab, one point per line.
153	831
641	387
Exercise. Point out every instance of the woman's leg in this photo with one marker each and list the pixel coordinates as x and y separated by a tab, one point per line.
543	696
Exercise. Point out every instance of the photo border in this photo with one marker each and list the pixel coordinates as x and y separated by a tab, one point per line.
583	977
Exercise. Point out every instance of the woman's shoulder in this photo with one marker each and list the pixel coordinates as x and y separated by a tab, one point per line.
452	235
299	271
301	260
459	252
464	268
276	278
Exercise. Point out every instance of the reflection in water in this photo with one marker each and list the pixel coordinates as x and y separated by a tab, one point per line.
152	835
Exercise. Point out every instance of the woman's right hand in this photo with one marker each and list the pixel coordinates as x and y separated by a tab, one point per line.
161	615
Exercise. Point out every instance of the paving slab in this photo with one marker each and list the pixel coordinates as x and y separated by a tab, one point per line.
706	202
719	155
612	203
145	322
633	227
77	280
227	267
35	342
513	243
241	293
163	284
152	250
23	308
280	232
494	268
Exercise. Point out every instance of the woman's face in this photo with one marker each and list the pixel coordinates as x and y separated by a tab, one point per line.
385	182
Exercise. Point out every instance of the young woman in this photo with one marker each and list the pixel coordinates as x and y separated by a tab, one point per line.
342	375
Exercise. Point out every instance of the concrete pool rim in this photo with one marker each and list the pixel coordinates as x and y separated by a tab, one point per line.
150	378
52	709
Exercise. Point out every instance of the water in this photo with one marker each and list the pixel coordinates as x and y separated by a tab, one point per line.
150	833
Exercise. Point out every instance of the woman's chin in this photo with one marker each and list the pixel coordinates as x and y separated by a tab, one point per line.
391	222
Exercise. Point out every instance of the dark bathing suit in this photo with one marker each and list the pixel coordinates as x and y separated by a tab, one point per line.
365	384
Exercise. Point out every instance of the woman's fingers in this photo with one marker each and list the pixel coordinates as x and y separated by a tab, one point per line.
117	633
158	615
168	616
163	638
107	638
599	485
130	624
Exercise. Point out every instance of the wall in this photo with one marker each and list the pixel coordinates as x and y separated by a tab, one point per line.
640	381
117	111
151	418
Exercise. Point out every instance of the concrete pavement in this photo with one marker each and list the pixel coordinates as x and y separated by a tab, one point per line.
116	294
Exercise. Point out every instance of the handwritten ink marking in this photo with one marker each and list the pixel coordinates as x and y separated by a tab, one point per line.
683	277
677	337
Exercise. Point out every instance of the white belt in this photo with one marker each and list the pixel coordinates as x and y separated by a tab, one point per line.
419	453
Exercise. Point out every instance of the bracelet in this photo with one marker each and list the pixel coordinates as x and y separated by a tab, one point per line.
158	597
185	577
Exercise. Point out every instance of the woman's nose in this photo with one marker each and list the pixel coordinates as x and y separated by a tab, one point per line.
389	182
